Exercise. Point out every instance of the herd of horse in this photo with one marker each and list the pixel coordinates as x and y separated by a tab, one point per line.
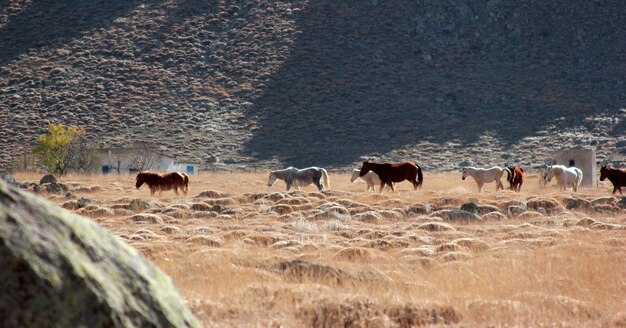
388	174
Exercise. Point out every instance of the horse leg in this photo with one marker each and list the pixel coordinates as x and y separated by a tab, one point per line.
176	190
499	185
480	187
391	186
382	185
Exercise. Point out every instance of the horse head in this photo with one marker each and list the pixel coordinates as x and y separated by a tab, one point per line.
551	172
272	179
355	175
604	172
365	168
465	173
139	179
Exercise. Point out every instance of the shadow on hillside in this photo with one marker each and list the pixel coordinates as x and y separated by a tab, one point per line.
52	22
363	80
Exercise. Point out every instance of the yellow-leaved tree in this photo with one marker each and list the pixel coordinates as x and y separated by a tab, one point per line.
55	147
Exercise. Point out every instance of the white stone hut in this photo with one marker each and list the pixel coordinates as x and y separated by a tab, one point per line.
582	158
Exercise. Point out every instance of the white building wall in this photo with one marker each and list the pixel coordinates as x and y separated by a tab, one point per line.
183	167
164	164
584	159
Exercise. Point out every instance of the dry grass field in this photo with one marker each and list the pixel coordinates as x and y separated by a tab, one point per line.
245	254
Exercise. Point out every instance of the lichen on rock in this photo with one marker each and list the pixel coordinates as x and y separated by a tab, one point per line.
62	270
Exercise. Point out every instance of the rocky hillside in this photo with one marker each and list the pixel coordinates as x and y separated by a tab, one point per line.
444	83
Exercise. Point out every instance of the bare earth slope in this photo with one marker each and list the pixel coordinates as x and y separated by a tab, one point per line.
319	82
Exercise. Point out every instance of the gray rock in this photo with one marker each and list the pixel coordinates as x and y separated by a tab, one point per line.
212	159
79	275
9	179
48	178
457	216
577	204
622	203
470	207
485	209
83	202
417	209
514	210
55	188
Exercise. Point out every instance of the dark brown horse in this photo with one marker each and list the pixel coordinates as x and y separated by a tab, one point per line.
616	176
163	181
515	177
394	172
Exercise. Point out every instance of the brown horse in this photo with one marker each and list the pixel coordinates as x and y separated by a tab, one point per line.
394	172
163	181
616	176
515	177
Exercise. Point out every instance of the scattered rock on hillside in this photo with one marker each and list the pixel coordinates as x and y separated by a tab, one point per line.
79	274
83	202
515	210
470	207
54	188
497	216
577	204
622	203
435	226
9	179
48	178
417	209
547	206
457	216
212	194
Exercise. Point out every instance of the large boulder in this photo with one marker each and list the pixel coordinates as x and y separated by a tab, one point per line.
62	270
48	178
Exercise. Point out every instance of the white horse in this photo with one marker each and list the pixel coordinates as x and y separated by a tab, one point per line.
294	177
371	179
565	176
482	176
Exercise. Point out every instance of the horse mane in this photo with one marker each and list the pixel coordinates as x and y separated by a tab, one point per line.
420	176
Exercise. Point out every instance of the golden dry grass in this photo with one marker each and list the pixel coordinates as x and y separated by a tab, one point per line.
244	254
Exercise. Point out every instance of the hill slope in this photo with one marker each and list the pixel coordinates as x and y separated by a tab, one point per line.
302	83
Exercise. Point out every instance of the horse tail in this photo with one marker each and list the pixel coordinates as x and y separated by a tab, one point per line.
579	177
509	174
326	180
420	176
185	183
